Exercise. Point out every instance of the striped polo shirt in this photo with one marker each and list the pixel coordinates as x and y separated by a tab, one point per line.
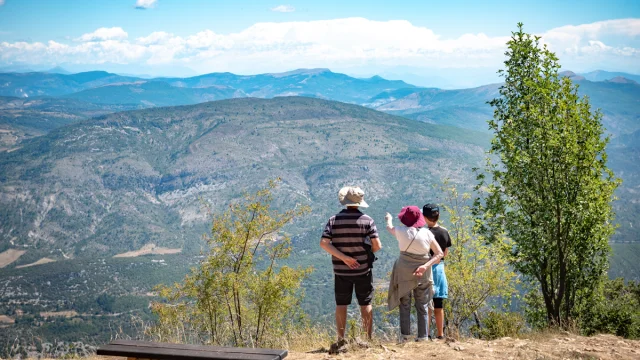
348	230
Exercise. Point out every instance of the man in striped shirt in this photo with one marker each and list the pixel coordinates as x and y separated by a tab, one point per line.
346	237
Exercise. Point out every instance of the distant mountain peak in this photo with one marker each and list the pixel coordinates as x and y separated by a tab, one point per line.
603	75
571	75
621	80
315	71
58	70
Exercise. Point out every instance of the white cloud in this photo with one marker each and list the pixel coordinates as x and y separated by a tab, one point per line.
1	2
114	33
145	4
352	43
283	8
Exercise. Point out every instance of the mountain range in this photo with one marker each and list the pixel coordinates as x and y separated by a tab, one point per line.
52	100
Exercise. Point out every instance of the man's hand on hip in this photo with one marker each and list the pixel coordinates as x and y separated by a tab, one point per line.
351	262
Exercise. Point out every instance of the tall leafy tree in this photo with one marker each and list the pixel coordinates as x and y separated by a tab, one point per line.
547	186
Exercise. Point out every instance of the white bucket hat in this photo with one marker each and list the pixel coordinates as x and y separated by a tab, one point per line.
352	196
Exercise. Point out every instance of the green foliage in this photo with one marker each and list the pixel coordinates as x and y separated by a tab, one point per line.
238	295
106	301
548	187
617	310
501	324
476	271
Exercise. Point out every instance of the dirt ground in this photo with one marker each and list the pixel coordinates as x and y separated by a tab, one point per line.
562	346
550	346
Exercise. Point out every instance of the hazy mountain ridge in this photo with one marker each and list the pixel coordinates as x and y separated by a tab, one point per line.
50	84
24	118
316	82
601	75
154	94
617	100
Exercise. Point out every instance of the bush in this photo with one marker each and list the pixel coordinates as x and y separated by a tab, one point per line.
501	324
617	310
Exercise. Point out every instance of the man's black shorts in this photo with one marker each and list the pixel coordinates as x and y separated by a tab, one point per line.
363	285
438	303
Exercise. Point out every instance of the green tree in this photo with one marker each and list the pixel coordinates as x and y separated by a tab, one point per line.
238	295
547	186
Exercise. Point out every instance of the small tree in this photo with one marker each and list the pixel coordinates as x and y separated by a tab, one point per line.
548	187
238	295
476	271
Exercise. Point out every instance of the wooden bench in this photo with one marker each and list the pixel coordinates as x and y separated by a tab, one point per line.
164	351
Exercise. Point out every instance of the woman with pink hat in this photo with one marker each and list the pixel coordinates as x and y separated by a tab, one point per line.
412	271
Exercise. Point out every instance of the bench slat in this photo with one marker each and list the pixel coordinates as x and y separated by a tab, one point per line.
145	344
176	354
166	351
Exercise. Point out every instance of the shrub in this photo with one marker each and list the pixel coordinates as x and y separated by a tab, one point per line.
501	324
616	311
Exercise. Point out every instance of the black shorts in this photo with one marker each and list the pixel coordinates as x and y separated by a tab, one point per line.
438	303
363	285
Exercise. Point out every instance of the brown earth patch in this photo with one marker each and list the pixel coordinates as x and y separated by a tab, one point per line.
149	249
39	262
9	256
4	319
67	313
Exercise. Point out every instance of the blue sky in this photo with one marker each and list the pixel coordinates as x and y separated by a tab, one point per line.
196	36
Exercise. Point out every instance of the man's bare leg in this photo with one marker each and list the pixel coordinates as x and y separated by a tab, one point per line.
341	320
366	312
440	321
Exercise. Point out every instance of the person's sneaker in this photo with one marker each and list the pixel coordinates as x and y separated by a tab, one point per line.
440	338
338	347
422	339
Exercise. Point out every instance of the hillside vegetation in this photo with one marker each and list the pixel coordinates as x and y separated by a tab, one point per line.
120	181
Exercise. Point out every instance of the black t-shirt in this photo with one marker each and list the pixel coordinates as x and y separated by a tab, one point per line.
442	237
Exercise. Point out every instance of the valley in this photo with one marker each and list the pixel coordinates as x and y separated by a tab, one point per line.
105	181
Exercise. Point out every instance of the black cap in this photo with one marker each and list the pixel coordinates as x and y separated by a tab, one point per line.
430	210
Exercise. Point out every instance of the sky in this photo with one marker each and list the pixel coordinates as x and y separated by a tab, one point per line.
458	42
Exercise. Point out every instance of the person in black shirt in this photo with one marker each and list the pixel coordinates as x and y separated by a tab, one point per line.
431	213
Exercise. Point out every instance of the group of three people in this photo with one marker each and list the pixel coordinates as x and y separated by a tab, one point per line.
351	237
